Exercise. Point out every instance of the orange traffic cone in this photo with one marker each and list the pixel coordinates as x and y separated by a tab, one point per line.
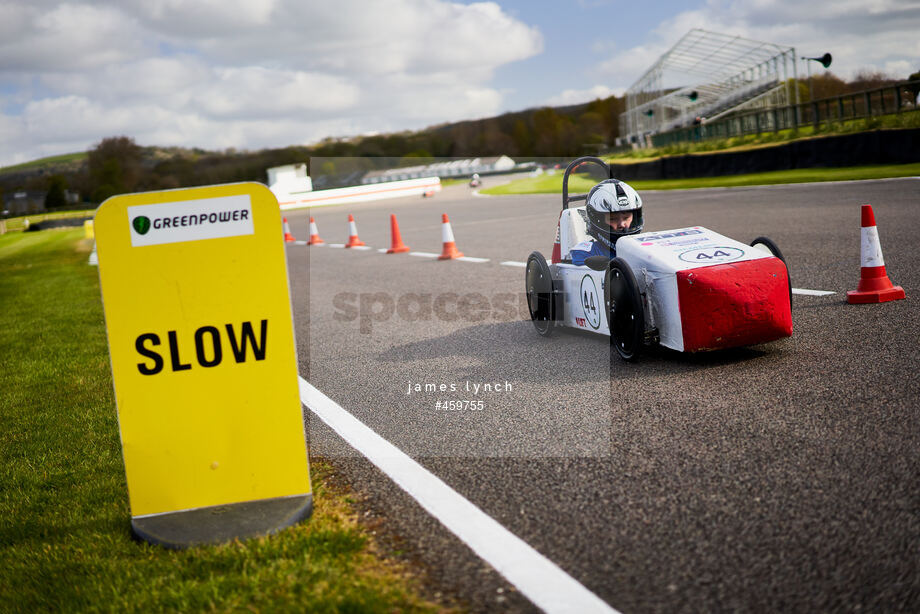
288	237
447	237
874	285
353	240
314	234
557	250
396	244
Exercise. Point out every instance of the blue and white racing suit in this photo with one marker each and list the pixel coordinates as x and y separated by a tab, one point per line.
590	248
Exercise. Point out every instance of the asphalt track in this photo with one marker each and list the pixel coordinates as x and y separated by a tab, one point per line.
777	477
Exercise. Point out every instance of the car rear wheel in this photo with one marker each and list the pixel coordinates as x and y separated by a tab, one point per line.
624	310
538	283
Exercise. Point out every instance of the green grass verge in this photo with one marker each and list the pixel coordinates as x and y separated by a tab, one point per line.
891	121
51	160
552	184
65	541
542	184
454	181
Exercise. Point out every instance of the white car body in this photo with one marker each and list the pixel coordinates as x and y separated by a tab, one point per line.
700	290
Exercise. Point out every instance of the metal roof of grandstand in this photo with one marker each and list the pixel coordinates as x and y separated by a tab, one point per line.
711	56
706	75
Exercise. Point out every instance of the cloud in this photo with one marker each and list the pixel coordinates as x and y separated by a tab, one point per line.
65	37
198	19
253	92
244	73
355	36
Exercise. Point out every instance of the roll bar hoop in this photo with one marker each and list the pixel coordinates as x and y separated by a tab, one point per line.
566	199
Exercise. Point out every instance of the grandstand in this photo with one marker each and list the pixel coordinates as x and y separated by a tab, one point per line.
704	77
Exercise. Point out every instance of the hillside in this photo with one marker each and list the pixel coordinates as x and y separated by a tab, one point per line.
541	132
118	165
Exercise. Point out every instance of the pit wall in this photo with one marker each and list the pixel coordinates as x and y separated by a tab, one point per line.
355	194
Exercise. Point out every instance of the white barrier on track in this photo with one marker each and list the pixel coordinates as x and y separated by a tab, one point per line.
361	193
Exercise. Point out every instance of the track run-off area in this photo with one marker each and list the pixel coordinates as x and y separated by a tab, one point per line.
781	476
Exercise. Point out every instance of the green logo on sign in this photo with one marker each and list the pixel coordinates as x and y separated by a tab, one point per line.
141	224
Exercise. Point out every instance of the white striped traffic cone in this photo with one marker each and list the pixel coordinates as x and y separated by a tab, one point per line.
288	237
314	234
874	285
353	240
447	238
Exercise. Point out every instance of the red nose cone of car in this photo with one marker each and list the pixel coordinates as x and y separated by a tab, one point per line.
730	305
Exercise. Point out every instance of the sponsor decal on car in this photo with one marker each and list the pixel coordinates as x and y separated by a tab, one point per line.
711	255
648	239
590	302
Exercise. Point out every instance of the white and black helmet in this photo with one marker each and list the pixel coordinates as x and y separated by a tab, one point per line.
612	196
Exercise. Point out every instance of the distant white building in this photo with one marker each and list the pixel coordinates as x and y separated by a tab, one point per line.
289	179
447	168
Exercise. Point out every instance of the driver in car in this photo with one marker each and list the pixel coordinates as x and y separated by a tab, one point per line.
614	210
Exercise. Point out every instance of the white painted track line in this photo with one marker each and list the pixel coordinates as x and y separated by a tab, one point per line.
535	576
803	291
514	263
807	292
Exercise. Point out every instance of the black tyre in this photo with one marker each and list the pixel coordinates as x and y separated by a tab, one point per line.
766	244
624	310
541	299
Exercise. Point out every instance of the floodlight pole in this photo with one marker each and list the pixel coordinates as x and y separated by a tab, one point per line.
795	88
825	61
811	88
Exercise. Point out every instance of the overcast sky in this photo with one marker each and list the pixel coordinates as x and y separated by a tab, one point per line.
251	74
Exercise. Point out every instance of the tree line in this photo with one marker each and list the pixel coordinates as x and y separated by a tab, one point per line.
118	165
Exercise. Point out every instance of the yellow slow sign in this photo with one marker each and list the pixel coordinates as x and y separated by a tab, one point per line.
197	306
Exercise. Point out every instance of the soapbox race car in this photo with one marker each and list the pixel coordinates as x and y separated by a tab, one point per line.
688	289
